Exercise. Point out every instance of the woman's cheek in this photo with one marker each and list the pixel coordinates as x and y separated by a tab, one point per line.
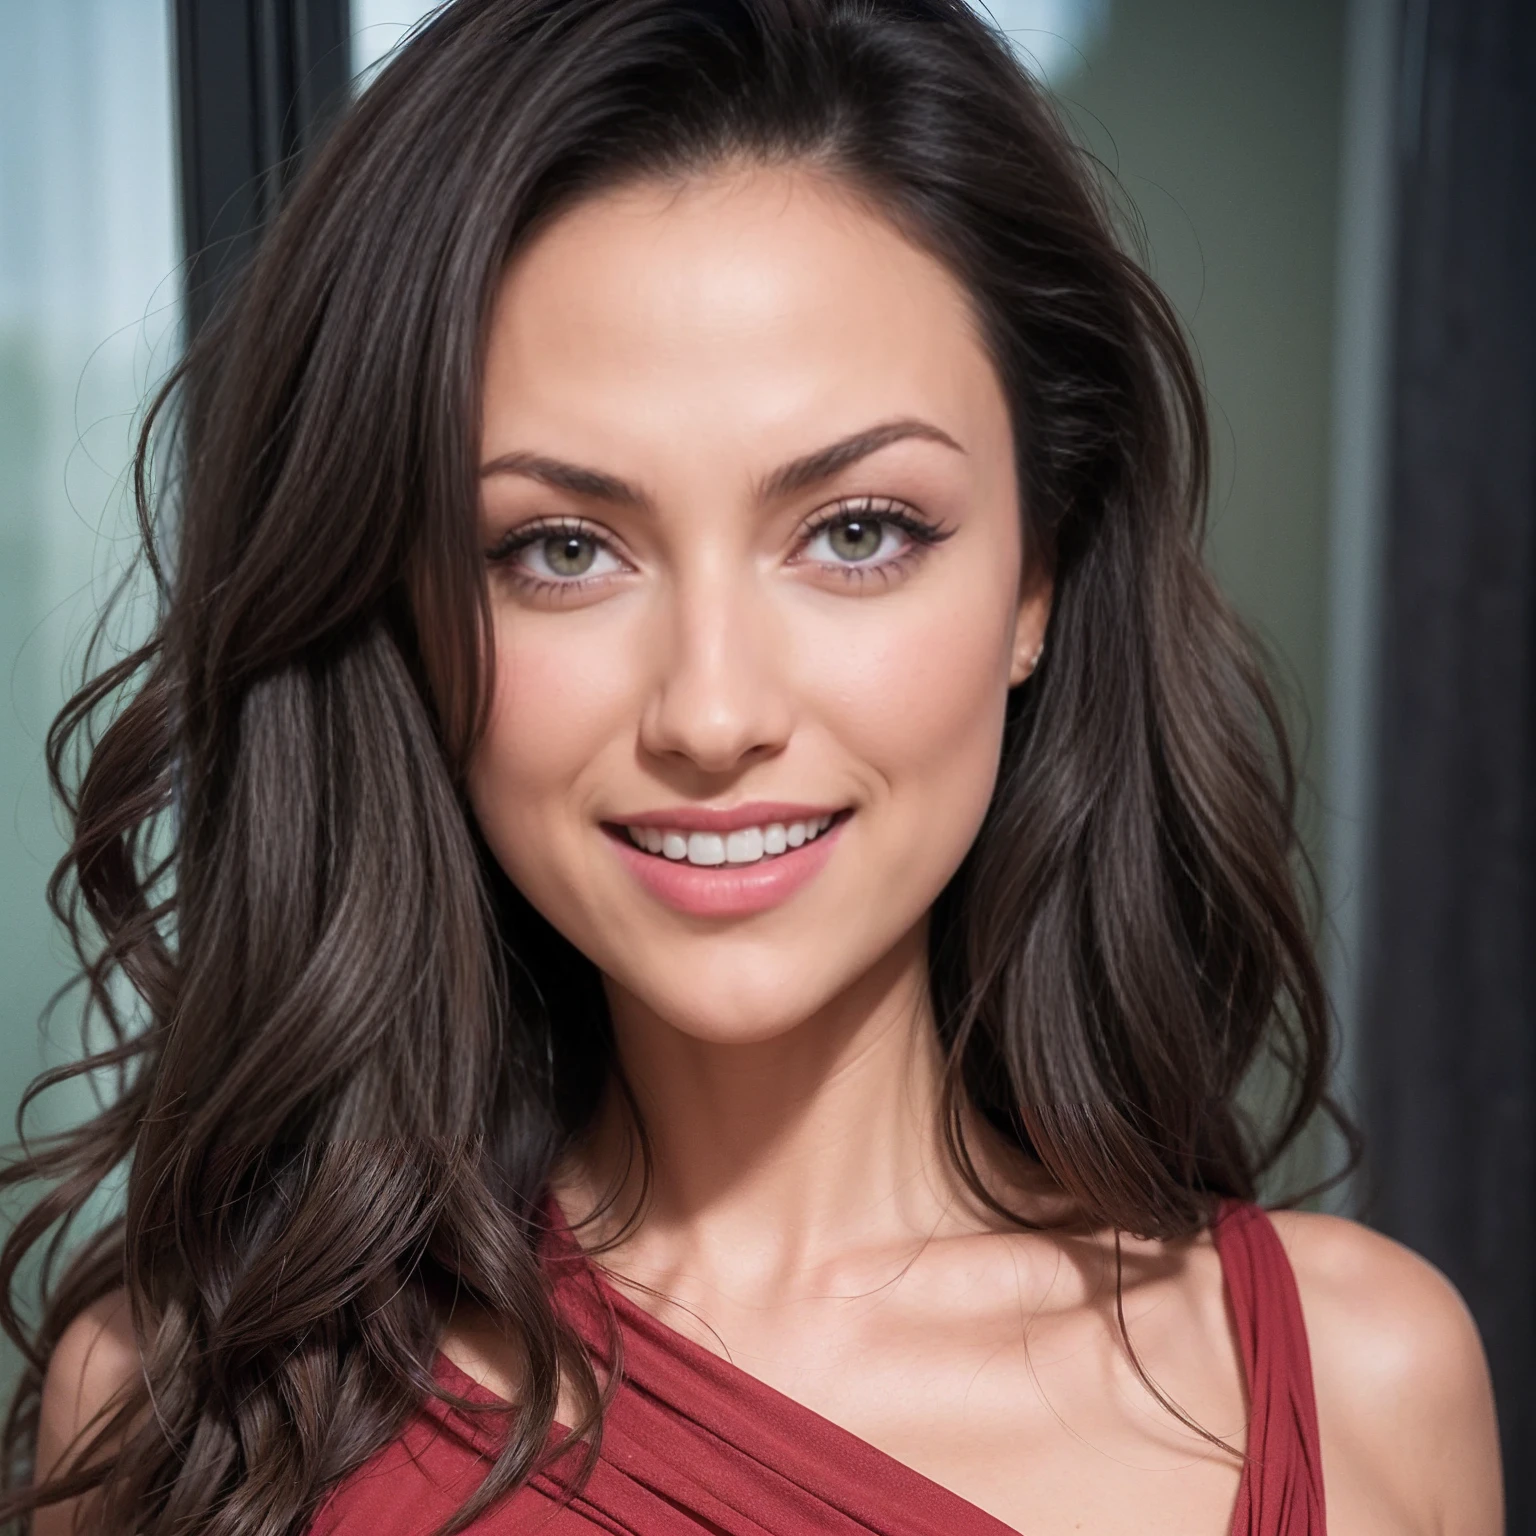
919	691
557	701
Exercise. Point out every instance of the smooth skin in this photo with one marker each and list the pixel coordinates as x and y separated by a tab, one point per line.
690	635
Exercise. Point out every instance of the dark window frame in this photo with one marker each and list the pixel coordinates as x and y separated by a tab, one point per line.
258	82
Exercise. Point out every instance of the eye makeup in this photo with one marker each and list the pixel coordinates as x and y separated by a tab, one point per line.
569	548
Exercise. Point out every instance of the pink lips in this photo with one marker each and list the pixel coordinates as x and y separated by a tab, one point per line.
725	890
755	813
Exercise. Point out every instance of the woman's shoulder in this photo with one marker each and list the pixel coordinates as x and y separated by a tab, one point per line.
95	1359
94	1362
1377	1313
1404	1401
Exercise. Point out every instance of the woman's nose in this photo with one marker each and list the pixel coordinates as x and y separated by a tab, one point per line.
719	697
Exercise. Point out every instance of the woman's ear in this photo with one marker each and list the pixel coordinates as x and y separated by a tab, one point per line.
1029	627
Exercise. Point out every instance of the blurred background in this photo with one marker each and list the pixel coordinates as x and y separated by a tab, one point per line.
1339	196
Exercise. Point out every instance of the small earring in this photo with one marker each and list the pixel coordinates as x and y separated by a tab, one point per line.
1029	670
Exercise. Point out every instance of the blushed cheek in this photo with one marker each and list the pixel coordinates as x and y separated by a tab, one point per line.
932	680
924	708
551	714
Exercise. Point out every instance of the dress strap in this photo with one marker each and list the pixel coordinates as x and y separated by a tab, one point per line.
1281	1493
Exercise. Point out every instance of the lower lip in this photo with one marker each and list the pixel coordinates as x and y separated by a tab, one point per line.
727	890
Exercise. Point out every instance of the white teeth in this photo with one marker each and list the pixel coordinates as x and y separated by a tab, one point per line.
747	845
744	847
706	848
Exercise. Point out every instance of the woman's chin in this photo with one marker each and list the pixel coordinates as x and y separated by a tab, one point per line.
743	988
730	1019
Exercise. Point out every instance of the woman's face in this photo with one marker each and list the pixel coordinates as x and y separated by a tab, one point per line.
752	521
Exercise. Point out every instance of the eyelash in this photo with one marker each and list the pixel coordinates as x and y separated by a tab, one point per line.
922	536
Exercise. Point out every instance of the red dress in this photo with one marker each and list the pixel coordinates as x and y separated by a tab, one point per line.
693	1443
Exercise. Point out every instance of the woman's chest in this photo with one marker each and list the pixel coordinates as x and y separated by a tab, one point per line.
1048	1430
1034	1413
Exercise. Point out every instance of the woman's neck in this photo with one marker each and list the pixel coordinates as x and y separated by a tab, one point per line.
781	1152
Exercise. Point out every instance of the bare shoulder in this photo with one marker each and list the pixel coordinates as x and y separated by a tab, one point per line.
94	1362
1405	1406
1397	1319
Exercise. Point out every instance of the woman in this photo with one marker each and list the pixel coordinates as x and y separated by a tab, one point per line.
728	865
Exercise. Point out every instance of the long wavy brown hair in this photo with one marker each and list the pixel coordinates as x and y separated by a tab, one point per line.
348	1054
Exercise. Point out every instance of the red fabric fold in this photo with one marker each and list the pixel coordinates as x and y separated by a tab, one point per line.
693	1443
1282	1485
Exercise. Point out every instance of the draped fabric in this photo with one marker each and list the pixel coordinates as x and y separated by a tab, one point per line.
693	1443
1282	1488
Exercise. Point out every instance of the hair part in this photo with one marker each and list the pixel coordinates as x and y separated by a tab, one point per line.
361	1050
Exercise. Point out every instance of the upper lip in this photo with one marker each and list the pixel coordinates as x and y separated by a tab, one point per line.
701	818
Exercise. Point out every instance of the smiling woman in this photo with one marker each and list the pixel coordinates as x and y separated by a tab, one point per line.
730	863
832	630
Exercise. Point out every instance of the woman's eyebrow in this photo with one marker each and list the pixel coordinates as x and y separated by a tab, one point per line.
797	475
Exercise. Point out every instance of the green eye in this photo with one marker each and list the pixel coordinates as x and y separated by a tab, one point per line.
555	555
855	538
871	536
569	554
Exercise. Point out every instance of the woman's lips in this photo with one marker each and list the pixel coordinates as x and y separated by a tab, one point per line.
727	890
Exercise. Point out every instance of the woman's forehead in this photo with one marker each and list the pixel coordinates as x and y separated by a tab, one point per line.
736	306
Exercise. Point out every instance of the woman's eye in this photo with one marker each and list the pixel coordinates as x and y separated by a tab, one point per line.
856	538
560	556
568	554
